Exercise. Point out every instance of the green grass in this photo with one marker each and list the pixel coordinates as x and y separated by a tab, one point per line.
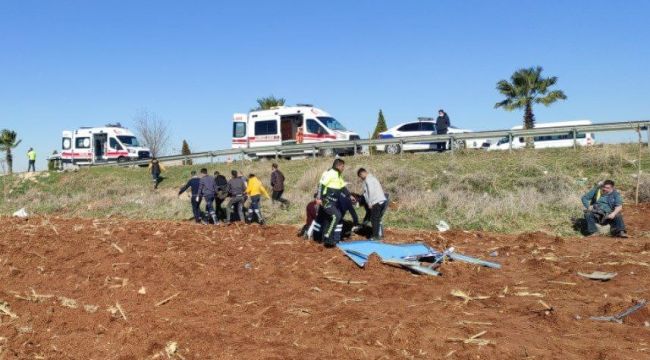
474	190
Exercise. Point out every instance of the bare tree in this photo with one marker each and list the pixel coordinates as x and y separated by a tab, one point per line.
153	131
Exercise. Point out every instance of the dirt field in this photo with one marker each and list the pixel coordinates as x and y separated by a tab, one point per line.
117	289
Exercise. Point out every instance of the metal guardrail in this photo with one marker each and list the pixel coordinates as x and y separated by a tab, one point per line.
286	150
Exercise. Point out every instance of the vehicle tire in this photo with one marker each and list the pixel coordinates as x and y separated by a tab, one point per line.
122	159
393	149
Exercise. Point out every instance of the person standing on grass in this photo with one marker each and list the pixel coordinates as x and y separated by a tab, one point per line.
603	205
207	191
195	200
277	185
255	190
374	196
31	156
330	189
236	190
221	195
156	169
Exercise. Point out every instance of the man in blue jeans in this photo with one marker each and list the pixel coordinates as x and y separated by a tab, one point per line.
603	205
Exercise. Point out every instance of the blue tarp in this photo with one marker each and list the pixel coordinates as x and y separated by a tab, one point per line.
359	251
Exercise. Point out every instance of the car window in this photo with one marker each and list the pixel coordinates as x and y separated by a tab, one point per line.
67	143
427	126
114	144
314	127
268	127
239	130
410	127
82	143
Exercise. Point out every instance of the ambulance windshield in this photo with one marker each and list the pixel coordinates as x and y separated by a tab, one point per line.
332	123
129	141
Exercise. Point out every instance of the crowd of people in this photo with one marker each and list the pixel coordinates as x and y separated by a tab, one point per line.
216	200
240	199
225	200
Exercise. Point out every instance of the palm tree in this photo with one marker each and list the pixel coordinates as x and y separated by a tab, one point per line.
266	103
7	142
525	88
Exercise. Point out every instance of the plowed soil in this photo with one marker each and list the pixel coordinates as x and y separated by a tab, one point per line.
120	289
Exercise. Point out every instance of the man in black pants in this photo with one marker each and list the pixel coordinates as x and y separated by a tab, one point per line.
236	190
330	188
277	185
375	199
193	184
207	191
442	126
221	195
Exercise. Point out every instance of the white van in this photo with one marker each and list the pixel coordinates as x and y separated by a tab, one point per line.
282	125
549	141
92	145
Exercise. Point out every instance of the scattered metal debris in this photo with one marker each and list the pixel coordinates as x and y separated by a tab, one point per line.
599	275
418	258
618	318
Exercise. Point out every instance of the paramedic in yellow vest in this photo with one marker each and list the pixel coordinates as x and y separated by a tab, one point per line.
31	155
330	189
603	205
255	190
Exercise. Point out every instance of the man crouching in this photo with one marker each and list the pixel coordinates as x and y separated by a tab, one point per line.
603	205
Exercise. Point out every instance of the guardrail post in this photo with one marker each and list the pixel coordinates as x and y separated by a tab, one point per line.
211	158
276	154
509	141
575	138
355	149
401	147
313	153
452	144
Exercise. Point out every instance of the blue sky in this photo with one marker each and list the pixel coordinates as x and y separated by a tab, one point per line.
65	64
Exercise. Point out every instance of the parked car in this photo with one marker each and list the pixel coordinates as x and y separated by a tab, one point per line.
423	127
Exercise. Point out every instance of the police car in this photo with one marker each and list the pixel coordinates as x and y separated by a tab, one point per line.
423	127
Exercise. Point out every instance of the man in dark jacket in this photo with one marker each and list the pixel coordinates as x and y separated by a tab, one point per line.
442	122
156	168
193	184
207	191
277	185
222	184
603	205
442	126
236	190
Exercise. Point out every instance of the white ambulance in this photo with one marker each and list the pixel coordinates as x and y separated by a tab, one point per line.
92	145
288	125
